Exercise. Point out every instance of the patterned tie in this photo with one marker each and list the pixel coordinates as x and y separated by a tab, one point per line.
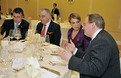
43	31
15	29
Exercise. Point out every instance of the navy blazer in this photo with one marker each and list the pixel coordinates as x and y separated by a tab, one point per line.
53	31
101	59
9	24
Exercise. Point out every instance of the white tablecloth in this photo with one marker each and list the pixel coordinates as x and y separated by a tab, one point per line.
50	60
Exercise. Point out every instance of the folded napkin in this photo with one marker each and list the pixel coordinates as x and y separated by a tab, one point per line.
17	64
33	68
48	74
4	42
34	71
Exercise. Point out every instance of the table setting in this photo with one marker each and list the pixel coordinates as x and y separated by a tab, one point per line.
34	60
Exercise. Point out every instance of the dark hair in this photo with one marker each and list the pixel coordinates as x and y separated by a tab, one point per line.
75	16
19	11
98	19
55	4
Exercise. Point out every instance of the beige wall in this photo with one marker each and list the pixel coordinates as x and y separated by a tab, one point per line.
109	9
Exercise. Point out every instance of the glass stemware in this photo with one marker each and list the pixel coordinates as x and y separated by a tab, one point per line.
47	39
11	33
17	34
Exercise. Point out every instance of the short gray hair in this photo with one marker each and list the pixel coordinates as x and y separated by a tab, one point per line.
98	19
45	9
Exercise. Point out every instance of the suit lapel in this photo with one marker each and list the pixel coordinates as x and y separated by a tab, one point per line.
50	27
12	24
41	26
21	25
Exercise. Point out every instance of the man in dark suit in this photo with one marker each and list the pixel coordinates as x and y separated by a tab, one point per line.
101	59
54	11
52	29
16	22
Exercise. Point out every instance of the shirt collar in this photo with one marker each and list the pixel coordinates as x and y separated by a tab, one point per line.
47	24
16	23
95	34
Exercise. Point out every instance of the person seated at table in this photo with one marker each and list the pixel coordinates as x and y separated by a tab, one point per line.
101	56
54	11
16	23
9	12
48	27
76	33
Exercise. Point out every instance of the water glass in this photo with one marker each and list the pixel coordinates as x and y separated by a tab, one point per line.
11	33
17	34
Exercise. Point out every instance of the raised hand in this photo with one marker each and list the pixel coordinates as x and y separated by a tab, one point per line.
69	46
64	55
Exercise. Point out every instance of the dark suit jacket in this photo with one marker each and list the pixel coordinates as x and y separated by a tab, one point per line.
55	11
9	24
101	59
53	31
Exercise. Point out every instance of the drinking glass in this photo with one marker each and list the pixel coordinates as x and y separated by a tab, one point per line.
17	34
47	39
11	33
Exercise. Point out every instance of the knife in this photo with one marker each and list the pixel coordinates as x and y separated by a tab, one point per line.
51	70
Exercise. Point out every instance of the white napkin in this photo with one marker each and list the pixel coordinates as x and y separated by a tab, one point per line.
34	71
4	42
48	74
32	67
17	63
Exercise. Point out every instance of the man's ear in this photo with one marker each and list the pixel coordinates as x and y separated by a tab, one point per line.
93	24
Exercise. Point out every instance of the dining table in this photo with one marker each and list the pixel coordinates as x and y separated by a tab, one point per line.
32	60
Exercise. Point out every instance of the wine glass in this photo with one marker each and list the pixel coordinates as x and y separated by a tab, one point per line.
11	33
47	39
17	34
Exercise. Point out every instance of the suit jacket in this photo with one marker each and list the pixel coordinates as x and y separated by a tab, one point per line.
9	24
101	59
53	31
55	11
